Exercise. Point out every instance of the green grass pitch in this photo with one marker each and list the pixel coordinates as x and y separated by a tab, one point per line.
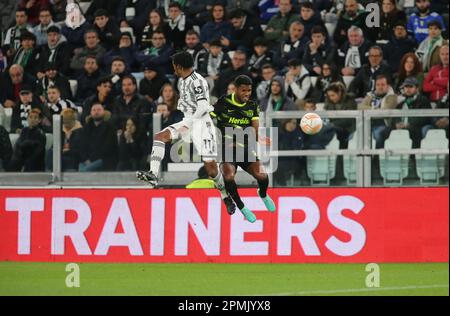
223	279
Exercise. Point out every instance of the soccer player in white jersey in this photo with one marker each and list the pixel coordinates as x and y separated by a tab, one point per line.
197	124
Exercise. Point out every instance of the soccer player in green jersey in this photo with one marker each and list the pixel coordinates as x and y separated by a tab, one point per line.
237	114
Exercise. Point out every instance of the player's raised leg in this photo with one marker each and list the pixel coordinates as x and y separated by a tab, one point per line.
156	157
214	173
229	171
256	169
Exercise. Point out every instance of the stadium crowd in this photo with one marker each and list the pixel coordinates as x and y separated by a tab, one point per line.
298	53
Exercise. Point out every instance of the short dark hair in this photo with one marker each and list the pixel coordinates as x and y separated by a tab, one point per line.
307	5
243	80
267	66
174	4
183	59
52	86
318	29
118	58
236	14
294	62
22	10
381	77
192	32
435	23
104	80
131	77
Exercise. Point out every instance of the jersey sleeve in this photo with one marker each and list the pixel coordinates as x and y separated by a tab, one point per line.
218	109
200	90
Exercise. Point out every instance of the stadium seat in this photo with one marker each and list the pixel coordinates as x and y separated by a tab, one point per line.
320	106
348	80
6	121
430	168
321	169
313	81
48	141
73	86
13	138
350	161
394	168
330	28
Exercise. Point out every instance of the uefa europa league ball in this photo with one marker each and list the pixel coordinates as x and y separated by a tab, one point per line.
311	123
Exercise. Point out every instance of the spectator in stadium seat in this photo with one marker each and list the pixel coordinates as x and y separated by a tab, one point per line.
384	98
354	53
33	8
365	79
118	70
150	86
29	150
134	14
213	63
40	30
87	80
260	57
410	66
247	6
98	143
178	25
132	146
58	9
238	67
109	5
439	122
277	99
298	82
310	18
318	51
160	53
428	50
131	104
92	48
293	47
6	149
128	51
15	79
71	140
412	99
436	81
329	75
107	29
338	100
418	22
53	78
75	26
155	22
194	47
55	103
290	138
199	11
103	96
21	111
168	96
398	46
218	28
168	117
279	24
11	41
245	30
390	16
27	54
56	51
354	15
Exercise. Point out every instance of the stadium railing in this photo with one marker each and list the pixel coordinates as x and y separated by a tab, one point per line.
363	153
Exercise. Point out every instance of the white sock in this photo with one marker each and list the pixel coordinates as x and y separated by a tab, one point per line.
158	152
220	185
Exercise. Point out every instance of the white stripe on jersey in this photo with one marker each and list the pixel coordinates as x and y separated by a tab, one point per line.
192	89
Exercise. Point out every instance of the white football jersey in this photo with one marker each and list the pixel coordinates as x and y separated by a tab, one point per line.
192	89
